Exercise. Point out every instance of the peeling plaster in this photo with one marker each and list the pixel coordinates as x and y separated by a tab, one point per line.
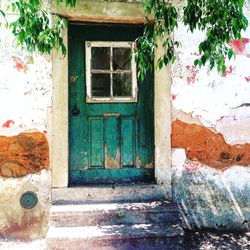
25	87
204	94
26	153
236	126
204	146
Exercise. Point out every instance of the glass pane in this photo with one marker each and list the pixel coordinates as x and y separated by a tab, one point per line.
101	85
121	59
100	58
122	84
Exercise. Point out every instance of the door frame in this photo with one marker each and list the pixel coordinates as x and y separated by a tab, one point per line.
60	141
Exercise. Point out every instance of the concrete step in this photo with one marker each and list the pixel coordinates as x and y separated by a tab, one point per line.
110	193
114	214
137	236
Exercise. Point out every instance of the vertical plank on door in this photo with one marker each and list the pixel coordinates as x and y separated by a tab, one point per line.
96	142
112	142
128	141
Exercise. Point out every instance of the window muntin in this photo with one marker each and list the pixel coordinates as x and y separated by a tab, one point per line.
110	72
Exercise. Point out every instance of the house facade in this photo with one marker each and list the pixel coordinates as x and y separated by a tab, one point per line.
85	118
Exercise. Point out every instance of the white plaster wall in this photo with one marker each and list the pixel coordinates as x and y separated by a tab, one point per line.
206	197
211	97
25	104
25	87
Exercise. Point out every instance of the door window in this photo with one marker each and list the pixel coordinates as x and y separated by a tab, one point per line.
110	72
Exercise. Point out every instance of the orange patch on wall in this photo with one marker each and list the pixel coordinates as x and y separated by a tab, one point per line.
207	147
22	154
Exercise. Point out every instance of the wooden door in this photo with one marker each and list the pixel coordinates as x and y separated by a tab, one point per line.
111	132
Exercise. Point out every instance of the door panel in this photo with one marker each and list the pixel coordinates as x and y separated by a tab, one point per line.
128	141
112	142
109	142
96	142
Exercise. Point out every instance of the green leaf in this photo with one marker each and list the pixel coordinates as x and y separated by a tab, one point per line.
230	54
2	13
223	69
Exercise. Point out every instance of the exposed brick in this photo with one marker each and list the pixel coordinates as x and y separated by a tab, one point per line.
23	154
207	147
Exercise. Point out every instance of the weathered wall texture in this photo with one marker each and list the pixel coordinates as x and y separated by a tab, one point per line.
23	154
207	147
25	91
17	222
211	137
208	198
25	88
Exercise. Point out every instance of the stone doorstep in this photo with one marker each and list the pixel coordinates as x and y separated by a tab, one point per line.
112	217
114	232
89	236
110	193
114	214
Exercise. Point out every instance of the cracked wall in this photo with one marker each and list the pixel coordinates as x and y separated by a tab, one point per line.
207	147
25	90
210	137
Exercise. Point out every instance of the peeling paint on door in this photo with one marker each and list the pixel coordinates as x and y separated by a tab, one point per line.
111	162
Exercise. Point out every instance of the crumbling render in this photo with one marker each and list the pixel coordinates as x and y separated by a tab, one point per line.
207	147
23	154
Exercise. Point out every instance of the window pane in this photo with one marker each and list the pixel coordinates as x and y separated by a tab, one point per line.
121	59
122	84
100	58
101	85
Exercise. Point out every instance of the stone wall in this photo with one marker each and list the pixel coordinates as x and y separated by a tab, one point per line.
25	91
210	137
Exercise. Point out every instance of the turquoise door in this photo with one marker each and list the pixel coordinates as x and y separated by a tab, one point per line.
111	132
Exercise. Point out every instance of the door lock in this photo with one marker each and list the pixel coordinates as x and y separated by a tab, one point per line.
73	79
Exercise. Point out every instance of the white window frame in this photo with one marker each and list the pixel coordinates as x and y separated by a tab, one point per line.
89	97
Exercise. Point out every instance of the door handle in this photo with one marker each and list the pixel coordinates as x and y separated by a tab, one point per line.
75	111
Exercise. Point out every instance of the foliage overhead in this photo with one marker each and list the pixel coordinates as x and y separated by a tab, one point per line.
220	20
33	28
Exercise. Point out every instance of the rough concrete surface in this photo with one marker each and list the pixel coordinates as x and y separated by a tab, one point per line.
21	245
191	241
211	199
109	193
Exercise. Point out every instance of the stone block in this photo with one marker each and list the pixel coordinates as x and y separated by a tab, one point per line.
211	199
17	222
